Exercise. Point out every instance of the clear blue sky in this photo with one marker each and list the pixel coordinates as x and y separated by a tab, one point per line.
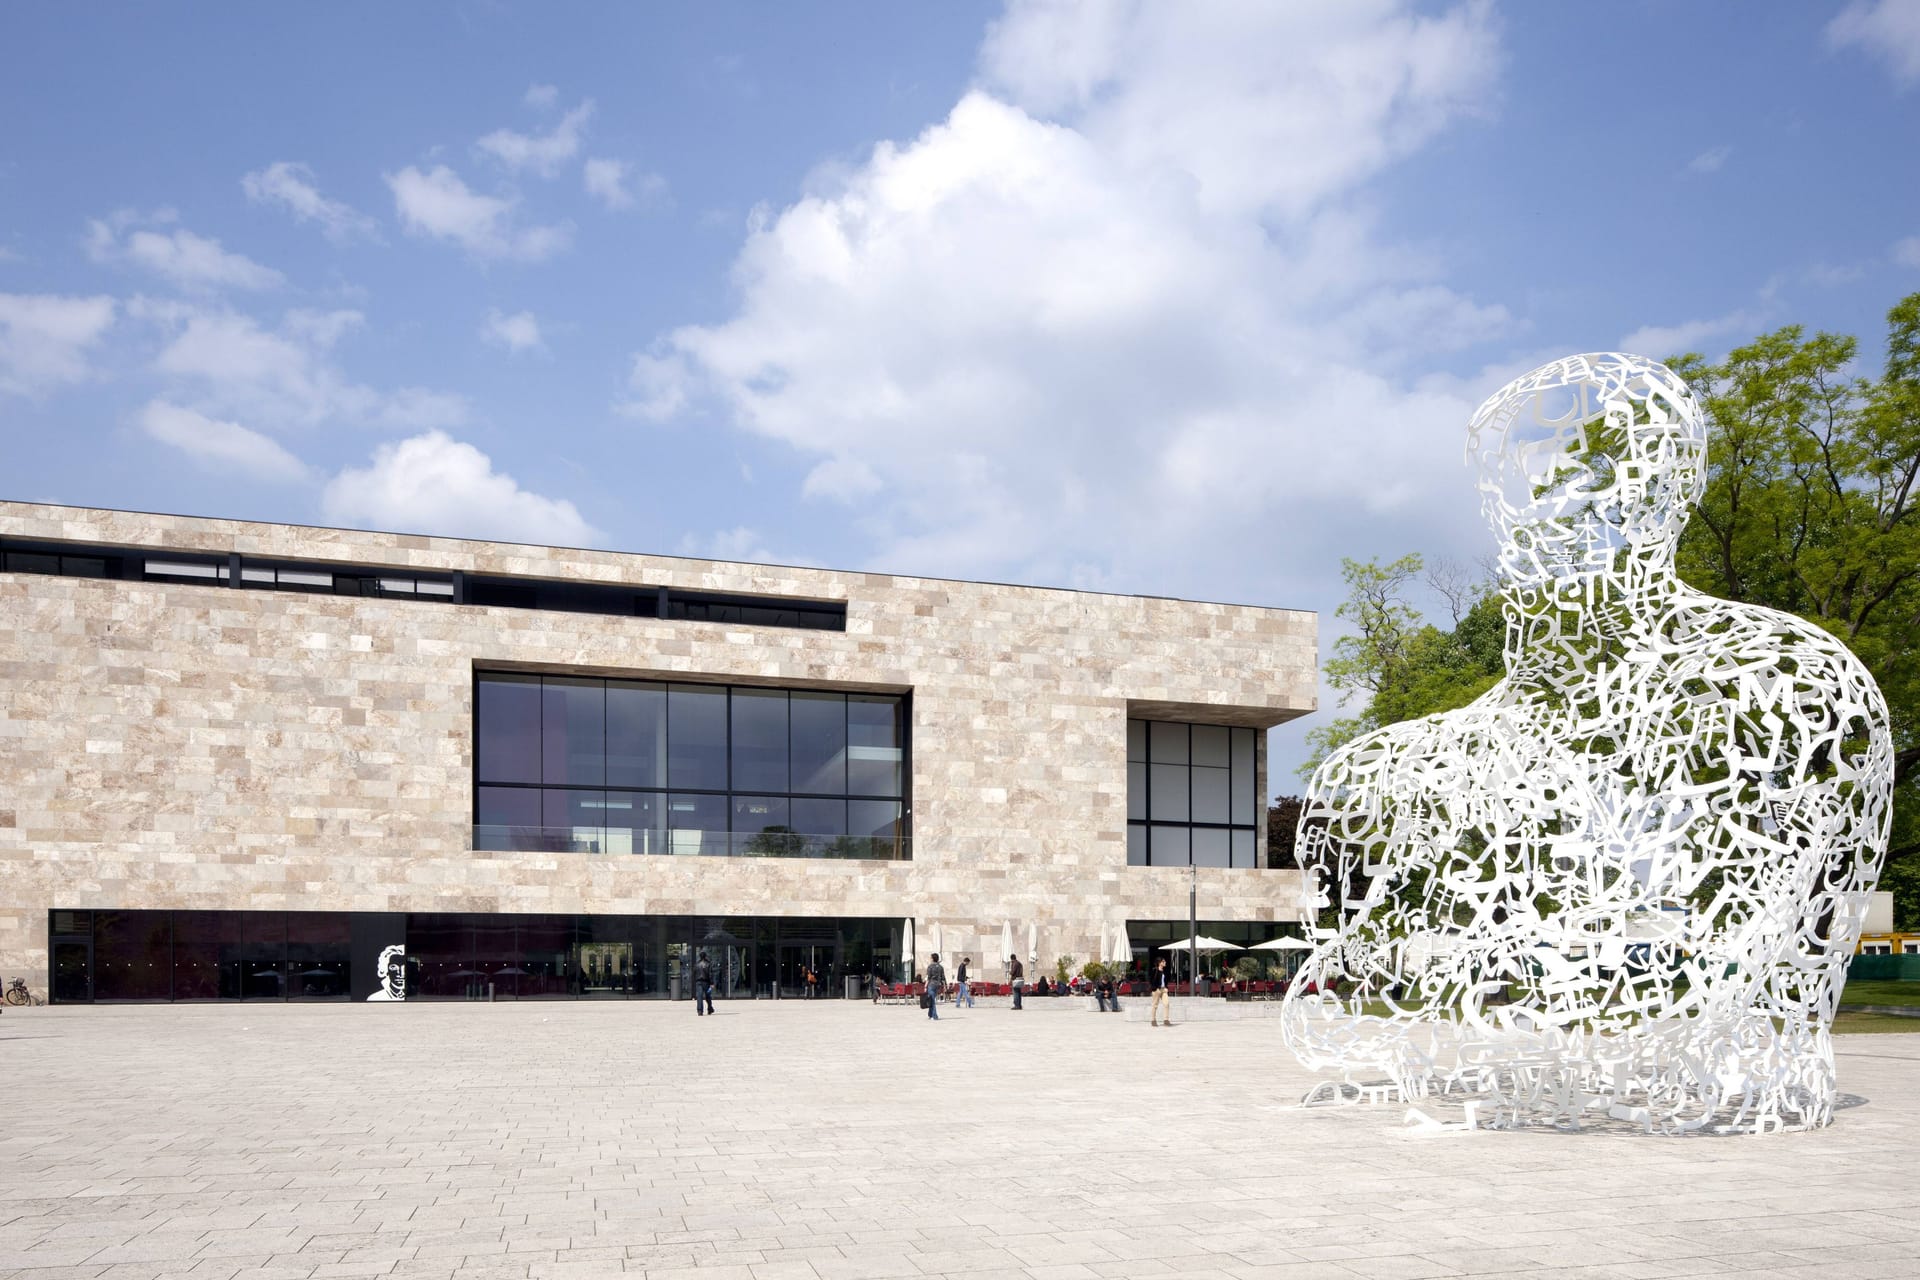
1190	300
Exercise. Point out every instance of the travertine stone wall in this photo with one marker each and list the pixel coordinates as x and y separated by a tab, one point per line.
201	747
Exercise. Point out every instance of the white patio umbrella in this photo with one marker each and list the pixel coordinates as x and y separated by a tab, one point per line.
1285	944
1006	942
1033	943
1121	951
933	938
1202	944
906	945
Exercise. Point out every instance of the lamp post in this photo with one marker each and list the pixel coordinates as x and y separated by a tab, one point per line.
1193	927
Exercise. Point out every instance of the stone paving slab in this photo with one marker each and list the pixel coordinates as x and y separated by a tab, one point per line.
843	1141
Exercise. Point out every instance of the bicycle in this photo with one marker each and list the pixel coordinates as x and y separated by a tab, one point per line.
17	994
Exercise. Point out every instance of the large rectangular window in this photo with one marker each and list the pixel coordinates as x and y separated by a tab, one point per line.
587	765
1193	794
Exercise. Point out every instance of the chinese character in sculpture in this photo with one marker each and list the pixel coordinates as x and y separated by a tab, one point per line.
1628	879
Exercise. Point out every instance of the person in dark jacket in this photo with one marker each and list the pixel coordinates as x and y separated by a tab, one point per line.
1019	977
960	989
936	979
702	984
1162	998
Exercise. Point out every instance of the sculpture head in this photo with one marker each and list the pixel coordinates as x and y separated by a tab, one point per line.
1586	458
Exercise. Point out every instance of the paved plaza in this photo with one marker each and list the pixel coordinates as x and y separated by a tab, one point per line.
844	1141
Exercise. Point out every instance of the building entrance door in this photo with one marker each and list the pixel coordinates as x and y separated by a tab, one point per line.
797	959
73	971
605	969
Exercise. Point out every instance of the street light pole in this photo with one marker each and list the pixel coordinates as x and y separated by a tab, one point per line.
1193	928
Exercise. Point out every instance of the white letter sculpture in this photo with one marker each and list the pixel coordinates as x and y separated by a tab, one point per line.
1626	881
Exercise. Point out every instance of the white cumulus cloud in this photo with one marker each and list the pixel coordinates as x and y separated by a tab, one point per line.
195	263
436	203
1907	252
541	153
292	186
230	364
1124	308
542	97
517	332
433	483
1661	341
1887	29
614	184
221	445
44	339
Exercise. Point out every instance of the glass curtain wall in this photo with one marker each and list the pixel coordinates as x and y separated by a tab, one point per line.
638	767
1193	795
272	955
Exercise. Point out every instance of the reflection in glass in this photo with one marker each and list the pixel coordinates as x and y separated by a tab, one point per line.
263	956
319	949
199	939
636	734
132	956
762	829
507	728
817	818
697	737
575	821
759	740
819	742
636	822
1167	743
876	741
573	732
697	825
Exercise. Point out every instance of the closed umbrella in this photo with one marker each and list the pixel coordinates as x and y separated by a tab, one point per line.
1006	942
933	938
1122	952
1033	943
907	956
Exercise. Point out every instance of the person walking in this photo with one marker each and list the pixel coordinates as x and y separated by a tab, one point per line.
936	979
960	989
1019	976
1162	999
702	985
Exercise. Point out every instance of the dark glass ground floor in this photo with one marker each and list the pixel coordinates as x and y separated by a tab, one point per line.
341	955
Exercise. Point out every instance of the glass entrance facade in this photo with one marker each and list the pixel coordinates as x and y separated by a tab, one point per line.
336	955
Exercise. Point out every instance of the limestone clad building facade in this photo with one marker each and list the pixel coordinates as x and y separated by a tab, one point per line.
258	761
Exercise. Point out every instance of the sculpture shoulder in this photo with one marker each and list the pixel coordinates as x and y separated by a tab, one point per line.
1717	640
1380	750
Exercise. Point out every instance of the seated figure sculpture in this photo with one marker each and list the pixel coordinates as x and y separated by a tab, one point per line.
1628	879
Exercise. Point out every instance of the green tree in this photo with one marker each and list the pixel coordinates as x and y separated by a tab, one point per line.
1407	666
1813	507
